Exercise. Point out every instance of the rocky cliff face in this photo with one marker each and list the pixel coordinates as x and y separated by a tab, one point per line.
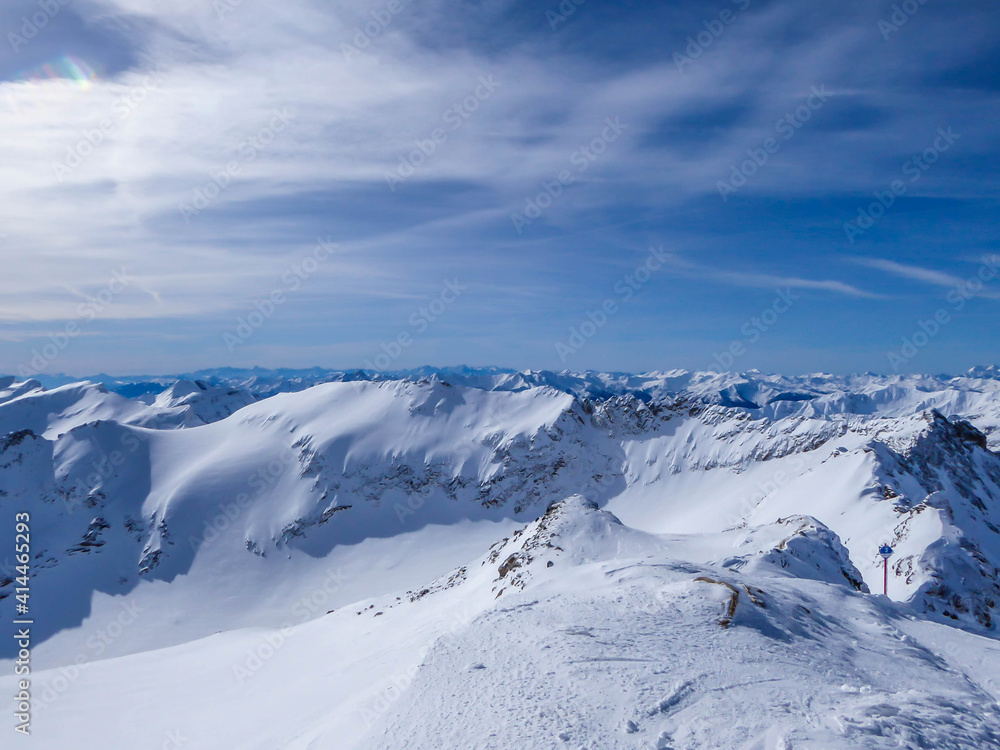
945	469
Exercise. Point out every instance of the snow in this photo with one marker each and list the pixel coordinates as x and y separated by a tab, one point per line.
972	395
492	559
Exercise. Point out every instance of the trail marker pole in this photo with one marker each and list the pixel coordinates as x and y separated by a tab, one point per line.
886	552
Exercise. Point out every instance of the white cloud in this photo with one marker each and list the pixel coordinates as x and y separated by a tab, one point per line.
765	280
925	275
221	81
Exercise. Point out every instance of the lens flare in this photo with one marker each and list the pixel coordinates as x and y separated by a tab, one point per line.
64	67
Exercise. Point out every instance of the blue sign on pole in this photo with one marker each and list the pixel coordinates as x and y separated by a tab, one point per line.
886	551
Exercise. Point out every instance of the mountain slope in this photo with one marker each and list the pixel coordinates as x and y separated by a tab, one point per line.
301	475
304	552
627	640
630	648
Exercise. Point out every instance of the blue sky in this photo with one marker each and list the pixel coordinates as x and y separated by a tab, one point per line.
222	182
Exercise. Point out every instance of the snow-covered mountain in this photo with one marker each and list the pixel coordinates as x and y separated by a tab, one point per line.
489	558
968	394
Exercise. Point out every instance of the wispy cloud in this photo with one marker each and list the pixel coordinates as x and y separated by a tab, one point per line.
766	280
924	275
134	149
